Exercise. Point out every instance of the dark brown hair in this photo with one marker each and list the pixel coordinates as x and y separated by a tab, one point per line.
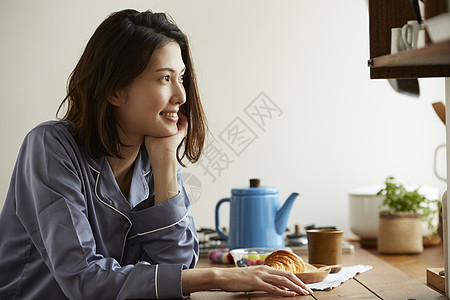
118	51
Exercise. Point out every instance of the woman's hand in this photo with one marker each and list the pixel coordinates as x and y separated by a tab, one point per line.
255	278
162	152
262	278
160	146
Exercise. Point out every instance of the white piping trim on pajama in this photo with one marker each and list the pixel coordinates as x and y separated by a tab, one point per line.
113	208
156	281
159	229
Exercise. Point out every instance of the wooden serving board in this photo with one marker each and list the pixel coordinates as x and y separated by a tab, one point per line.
310	277
317	273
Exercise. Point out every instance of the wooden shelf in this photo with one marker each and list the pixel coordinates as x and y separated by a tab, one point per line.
434	54
431	61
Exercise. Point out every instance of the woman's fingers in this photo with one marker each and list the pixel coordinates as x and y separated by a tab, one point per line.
277	290
182	126
171	143
291	281
264	278
288	281
182	121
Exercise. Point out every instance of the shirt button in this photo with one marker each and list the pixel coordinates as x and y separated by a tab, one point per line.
126	226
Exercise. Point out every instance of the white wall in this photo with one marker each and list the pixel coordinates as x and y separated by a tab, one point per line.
338	130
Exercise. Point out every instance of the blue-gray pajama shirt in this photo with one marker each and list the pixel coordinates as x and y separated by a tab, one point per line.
67	231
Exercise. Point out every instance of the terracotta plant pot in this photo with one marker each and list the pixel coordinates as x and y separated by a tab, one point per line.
400	233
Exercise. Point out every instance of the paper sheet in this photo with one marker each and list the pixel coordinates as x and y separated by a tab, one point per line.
335	279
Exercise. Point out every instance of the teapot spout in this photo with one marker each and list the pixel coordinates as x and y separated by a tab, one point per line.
283	214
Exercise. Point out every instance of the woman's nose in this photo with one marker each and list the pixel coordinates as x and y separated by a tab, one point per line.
179	94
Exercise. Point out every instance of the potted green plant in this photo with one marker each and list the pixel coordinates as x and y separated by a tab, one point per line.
401	215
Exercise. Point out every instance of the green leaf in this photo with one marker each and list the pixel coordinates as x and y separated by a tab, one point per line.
398	199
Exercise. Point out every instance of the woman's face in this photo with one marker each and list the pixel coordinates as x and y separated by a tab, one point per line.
149	106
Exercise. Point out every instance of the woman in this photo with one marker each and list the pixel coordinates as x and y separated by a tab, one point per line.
96	207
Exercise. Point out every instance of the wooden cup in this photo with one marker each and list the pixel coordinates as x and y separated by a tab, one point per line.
324	246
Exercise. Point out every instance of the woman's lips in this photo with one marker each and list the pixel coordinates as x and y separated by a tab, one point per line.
171	116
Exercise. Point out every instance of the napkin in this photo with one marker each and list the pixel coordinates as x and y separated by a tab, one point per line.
335	279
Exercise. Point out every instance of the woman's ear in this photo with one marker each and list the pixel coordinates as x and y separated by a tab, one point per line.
115	98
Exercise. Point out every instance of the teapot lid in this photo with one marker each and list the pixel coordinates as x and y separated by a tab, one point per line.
255	189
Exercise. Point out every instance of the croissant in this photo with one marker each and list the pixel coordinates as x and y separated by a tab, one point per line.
285	260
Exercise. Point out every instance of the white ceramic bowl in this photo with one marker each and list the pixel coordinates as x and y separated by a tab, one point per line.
245	257
437	27
364	211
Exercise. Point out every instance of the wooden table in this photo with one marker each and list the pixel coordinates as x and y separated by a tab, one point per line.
387	279
414	265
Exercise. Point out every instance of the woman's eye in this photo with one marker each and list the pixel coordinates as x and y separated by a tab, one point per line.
167	78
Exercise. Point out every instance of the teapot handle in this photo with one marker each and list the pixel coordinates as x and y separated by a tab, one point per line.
221	233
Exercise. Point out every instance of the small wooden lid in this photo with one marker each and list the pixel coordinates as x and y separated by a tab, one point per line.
255	182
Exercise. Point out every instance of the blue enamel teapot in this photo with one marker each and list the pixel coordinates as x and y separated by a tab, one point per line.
257	219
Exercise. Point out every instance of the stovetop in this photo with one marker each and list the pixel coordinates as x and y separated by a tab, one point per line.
209	240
